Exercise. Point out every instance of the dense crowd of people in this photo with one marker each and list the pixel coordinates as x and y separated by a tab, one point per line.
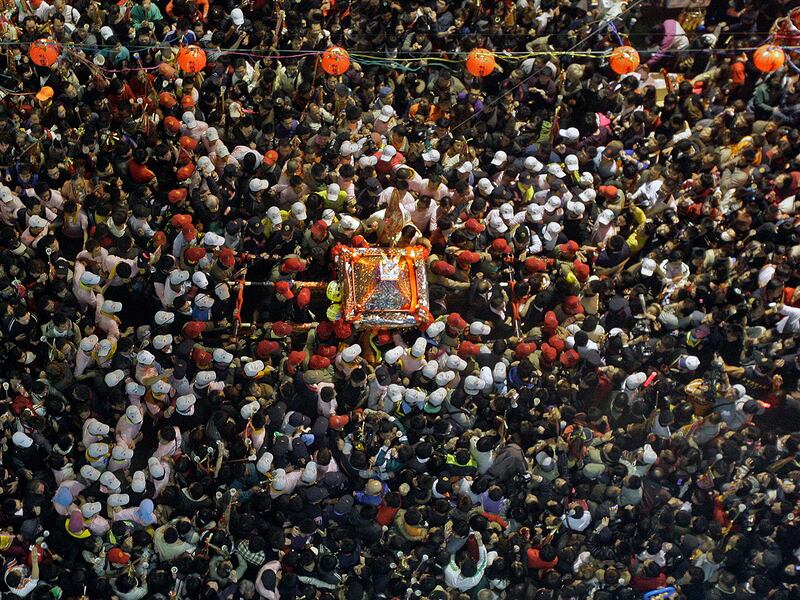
604	400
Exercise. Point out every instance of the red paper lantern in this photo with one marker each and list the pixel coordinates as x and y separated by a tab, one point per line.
480	62
768	59
44	52
624	60
335	60
191	59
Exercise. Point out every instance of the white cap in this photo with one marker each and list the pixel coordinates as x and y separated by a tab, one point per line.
435	329
417	349
89	278
134	413
113	378
110	480
499	158
222	291
551	231
575	207
499	372
486	375
395	392
350	353
253	368
456	363
183	404
162	341
299	211
204	301
571	134
104	347
203	378
553	204
556	170
189	119
279	480
178	276
348	148
237	16
204	164
466	167
37	222
95	427
258	185
649	455
117	500
634	380
506	210
212	135
155	467
414	396
264	463
349	222
571	162
533	164
274	215
213	239
479	328
310	470
88	343
109	306
496	222
134	388
390	357
431	155
89	473
588	195
138	482
586	179
248	410
368	161
388	153
387	112
605	217
21	439
106	32
437	397
200	279
90	509
221	355
333	192
161	387
689	362
648	267
485	186
163	317
6	195
535	212
430	369
444	377
473	385
145	358
121	452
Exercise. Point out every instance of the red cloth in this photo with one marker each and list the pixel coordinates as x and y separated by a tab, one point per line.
535	561
385	515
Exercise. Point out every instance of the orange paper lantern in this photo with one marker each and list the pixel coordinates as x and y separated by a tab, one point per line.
44	52
768	58
624	60
480	62
335	60
191	59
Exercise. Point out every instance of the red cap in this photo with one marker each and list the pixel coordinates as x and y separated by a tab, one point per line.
180	221
319	362
570	358
296	357
226	257
117	556
319	229
501	245
571	247
193	329
194	254
201	358
581	270
293	265
571	303
455	321
189	232
338	421
609	191
524	349
177	195
187	101
557	343
284	288
167	100
281	328
266	347
172	124
327	351
534	264
358	241
383	337
342	329
188	143
303	297
474	226
549	353
550	322
325	330
185	171
443	268
468	349
270	158
467	257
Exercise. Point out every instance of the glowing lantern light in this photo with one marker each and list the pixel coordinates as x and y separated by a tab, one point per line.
624	60
481	62
191	59
44	52
335	60
768	58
